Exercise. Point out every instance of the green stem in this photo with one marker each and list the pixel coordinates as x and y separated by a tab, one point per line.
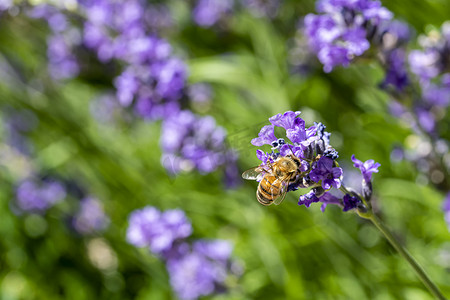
402	251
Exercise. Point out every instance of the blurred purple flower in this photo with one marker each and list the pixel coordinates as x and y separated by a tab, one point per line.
61	43
396	73
190	142
34	195
5	4
127	86
155	87
396	108
202	271
438	94
208	12
170	76
424	64
62	62
91	217
148	227
426	119
341	32
367	168
197	270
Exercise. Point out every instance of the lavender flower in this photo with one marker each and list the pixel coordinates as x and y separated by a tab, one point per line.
208	12
153	79
192	142
343	30
201	271
155	86
425	64
438	94
308	198
149	227
90	218
317	166
347	203
431	66
61	44
62	62
425	118
325	172
34	195
5	4
367	168
196	269
396	71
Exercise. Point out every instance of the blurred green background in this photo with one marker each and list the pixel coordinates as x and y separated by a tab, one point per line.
287	252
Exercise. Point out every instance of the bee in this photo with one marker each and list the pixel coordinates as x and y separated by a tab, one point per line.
275	178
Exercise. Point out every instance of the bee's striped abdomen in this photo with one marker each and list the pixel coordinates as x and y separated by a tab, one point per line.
267	191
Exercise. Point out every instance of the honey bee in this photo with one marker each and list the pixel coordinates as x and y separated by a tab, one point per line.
275	178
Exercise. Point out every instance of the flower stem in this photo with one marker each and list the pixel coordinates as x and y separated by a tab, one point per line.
404	253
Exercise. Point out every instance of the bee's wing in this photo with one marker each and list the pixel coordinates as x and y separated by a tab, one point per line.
284	189
253	173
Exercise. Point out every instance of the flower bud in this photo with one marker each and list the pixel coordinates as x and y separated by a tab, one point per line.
367	190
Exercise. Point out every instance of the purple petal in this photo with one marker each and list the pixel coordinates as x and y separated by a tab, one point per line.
265	136
285	120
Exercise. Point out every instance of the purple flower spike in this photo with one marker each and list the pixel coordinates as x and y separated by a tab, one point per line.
196	269
37	196
149	227
189	141
325	171
208	12
340	33
201	271
218	250
367	168
396	74
265	136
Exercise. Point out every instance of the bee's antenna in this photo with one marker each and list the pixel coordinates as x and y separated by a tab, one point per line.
291	149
